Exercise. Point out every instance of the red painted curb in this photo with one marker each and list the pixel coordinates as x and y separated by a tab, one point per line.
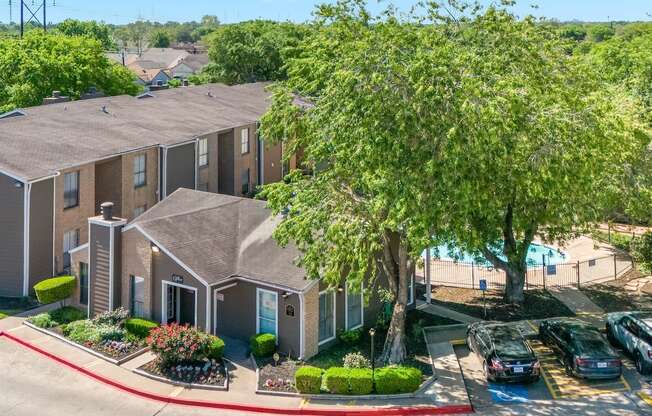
429	410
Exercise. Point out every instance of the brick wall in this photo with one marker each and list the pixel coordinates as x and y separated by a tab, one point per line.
133	198
75	217
136	261
311	322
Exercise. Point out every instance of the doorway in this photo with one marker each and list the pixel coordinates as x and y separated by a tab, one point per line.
179	304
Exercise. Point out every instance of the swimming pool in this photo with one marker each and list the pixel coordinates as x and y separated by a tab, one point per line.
537	254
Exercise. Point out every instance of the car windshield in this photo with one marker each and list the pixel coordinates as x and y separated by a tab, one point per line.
508	343
592	346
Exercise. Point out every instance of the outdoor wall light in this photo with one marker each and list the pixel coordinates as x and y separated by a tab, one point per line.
340	289
155	248
18	184
285	295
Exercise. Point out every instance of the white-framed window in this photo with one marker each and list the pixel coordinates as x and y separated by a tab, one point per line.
137	301
203	152
139	210
70	241
326	316
140	169
266	312
354	302
71	189
244	141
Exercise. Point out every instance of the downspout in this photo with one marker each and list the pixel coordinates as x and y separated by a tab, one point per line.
302	323
27	190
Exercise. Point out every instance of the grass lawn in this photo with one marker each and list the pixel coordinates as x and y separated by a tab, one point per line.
539	304
416	346
12	306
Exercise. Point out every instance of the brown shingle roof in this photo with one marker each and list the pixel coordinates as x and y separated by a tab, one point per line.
220	236
51	138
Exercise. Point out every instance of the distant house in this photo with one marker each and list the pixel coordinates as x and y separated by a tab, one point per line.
149	73
156	66
188	65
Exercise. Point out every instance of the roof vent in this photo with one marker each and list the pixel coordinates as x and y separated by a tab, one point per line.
56	98
145	95
13	113
104	110
107	211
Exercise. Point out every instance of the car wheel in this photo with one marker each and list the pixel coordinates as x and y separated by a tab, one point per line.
641	366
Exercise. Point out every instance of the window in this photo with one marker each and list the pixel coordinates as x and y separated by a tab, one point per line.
71	189
139	210
203	152
326	316
266	311
70	241
140	167
137	300
244	141
83	283
245	181
353	308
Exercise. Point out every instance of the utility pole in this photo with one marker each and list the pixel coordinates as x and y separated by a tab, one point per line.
11	18
42	5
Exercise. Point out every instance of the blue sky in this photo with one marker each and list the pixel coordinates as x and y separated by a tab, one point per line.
122	11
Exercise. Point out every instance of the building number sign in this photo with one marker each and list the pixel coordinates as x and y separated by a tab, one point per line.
177	279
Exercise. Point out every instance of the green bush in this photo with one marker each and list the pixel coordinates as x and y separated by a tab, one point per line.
67	314
350	337
215	348
336	380
392	380
174	344
114	317
356	360
262	345
361	381
307	379
42	320
55	289
642	251
140	327
82	332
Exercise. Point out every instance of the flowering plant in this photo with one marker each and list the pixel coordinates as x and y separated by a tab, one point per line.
174	344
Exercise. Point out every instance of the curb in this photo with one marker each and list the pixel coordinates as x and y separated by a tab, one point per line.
417	410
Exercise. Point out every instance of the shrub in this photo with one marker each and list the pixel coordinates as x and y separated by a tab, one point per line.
215	348
82	332
262	345
42	320
336	380
67	314
174	344
350	337
356	360
361	381
642	251
114	317
55	289
392	380
140	327
308	379
110	332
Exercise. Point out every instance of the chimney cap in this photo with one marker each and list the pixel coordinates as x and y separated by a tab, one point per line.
107	210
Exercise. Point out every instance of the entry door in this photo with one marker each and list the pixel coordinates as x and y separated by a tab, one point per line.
187	307
267	305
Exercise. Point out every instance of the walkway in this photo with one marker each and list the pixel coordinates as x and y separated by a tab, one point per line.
446	313
579	304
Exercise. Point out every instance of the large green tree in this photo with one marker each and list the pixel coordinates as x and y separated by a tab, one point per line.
92	29
32	67
159	38
251	51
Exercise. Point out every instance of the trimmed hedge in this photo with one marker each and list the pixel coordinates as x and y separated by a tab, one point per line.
307	379
361	381
216	348
262	345
336	380
393	380
67	314
55	289
140	327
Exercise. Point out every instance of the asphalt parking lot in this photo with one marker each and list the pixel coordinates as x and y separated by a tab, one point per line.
554	384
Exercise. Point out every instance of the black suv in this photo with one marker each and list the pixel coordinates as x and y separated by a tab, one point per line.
581	347
504	353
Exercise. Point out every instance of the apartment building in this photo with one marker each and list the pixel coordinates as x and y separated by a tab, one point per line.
60	162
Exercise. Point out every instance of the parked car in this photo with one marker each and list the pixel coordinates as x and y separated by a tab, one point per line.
581	347
505	354
633	332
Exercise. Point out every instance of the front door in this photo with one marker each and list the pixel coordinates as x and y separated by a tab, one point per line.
187	307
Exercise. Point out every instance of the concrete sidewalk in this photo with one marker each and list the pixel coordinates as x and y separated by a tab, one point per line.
579	304
447	313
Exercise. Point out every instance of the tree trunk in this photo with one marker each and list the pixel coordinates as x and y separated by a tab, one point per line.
397	268
515	280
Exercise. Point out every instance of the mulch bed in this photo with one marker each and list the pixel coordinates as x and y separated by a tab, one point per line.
539	304
613	297
277	377
209	373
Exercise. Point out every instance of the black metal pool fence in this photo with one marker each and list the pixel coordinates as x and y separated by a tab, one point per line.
539	275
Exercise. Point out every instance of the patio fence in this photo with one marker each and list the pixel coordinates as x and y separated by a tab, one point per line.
538	276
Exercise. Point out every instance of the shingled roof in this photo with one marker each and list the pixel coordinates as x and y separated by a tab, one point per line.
47	139
220	237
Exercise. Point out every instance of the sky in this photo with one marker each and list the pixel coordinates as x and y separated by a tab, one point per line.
124	11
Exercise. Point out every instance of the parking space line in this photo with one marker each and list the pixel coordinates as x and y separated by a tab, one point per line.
458	342
645	397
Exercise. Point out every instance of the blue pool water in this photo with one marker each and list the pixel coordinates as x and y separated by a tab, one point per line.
535	255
